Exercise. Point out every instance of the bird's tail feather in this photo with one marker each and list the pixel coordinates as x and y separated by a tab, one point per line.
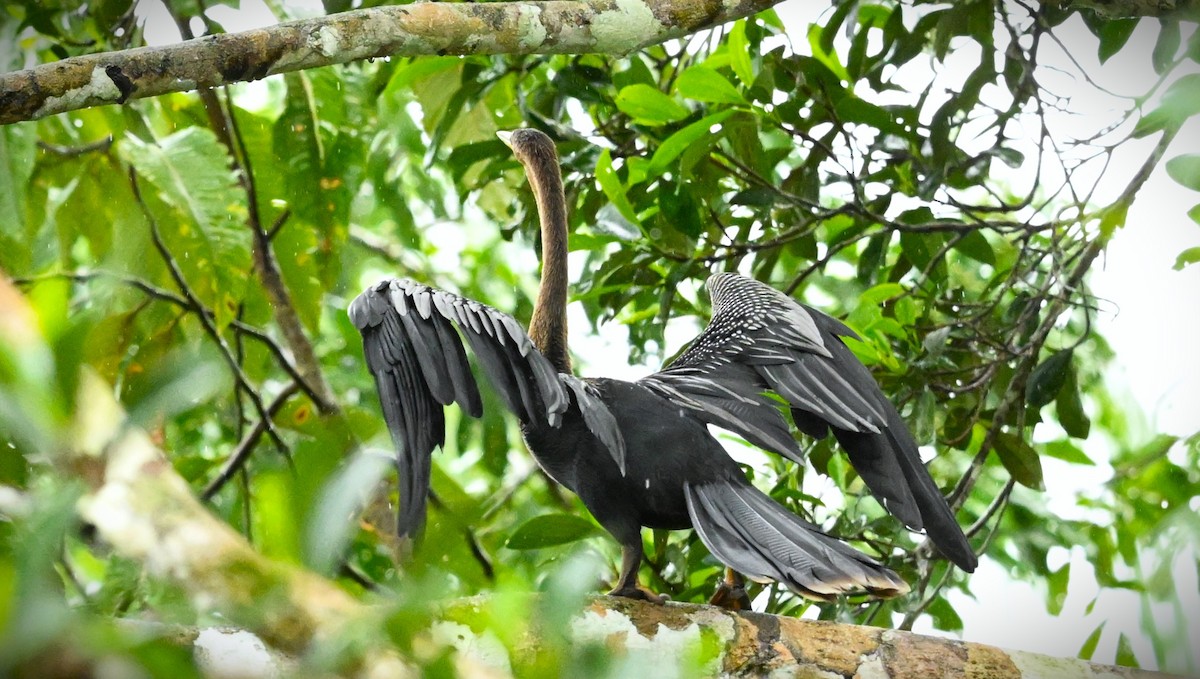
754	535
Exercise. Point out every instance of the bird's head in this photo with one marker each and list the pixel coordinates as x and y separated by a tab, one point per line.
531	147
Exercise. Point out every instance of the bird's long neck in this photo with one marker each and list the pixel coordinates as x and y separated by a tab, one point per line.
548	327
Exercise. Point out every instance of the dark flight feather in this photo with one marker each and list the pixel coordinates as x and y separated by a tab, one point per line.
760	340
420	366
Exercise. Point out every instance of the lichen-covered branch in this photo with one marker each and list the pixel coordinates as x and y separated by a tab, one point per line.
1115	9
147	512
728	644
423	28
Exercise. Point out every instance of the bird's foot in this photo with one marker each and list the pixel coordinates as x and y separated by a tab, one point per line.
639	592
731	596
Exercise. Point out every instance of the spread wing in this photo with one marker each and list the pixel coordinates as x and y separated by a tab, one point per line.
762	346
419	365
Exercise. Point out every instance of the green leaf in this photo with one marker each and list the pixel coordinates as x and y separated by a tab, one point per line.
1089	645
826	57
1167	45
1125	655
1020	459
704	84
976	246
1047	379
1069	408
1194	213
852	109
1057	583
879	294
1185	169
681	140
549	530
649	106
610	183
943	614
1180	102
16	166
1113	36
1113	218
738	48
1067	452
191	171
1188	256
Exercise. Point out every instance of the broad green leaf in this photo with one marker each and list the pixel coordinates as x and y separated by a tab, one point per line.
1179	102
1185	169
1069	408
1188	256
317	154
921	248
826	57
16	166
852	109
1047	379
1067	451
610	183
1194	213
739	53
701	83
976	246
1167	45
679	141
190	170
549	530
649	106
879	294
833	25
1020	459
1114	34
944	616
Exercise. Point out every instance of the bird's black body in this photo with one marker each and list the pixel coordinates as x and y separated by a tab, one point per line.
639	454
665	447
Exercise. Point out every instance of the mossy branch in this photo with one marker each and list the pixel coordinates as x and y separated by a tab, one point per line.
422	28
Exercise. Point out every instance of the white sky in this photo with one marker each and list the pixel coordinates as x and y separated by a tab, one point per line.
1149	314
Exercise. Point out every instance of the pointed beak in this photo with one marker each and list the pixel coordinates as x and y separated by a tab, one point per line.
506	137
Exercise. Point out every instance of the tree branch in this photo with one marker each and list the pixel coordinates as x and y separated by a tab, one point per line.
423	28
1117	9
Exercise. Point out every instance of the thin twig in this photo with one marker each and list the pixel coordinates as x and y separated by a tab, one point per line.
205	321
241	453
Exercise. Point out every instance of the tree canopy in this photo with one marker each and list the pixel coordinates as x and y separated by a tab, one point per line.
911	168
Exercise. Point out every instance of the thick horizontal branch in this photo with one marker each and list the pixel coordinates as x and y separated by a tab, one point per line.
423	28
742	644
147	512
1116	9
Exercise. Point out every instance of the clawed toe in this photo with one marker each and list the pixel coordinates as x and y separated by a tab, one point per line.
732	597
642	593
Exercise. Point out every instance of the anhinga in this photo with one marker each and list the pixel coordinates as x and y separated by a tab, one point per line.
639	454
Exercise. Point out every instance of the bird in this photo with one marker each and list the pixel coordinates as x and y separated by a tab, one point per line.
640	454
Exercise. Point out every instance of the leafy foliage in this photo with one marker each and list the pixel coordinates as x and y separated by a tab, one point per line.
846	163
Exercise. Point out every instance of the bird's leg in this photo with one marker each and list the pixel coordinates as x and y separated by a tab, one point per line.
627	585
731	592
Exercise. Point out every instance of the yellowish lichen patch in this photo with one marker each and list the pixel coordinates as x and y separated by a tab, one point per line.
625	27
